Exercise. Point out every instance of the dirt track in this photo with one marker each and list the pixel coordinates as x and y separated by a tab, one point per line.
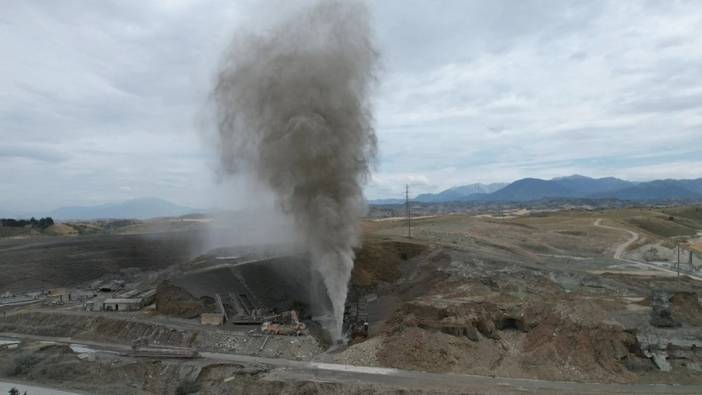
314	371
619	251
33	389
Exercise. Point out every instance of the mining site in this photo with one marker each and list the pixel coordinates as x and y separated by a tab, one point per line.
556	301
350	197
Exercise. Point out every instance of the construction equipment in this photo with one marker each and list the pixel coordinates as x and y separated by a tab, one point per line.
356	317
285	323
359	330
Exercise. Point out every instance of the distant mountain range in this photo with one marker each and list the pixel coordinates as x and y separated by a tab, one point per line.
459	193
135	209
572	187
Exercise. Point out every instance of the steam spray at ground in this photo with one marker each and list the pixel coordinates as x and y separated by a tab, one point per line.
293	109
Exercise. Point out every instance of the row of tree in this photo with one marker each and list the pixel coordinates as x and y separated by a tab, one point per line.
41	223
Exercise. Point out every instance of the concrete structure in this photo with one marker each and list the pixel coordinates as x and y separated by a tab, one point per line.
59	295
220	307
129	301
253	289
212	319
93	305
120	304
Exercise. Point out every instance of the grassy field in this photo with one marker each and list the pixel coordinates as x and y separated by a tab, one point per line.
525	237
566	237
663	226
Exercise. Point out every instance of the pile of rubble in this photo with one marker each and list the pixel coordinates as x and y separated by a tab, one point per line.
285	323
674	337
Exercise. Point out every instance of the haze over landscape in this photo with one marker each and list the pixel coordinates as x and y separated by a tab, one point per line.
501	92
523	190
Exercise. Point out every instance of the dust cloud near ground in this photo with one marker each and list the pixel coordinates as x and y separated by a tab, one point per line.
293	109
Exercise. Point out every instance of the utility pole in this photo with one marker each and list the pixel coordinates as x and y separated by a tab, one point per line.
409	212
678	279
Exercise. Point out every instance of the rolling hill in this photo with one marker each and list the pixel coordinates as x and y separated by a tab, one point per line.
659	190
463	192
137	209
529	189
581	185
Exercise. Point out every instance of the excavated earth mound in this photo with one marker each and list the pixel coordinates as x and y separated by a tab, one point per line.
511	340
513	324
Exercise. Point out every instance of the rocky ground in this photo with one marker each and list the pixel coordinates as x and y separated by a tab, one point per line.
121	330
531	296
59	366
527	298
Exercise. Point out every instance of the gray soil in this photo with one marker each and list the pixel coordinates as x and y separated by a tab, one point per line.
47	262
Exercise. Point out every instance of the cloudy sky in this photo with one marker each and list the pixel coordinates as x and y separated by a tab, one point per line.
102	101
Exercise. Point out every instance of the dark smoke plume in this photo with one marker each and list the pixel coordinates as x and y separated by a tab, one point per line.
293	109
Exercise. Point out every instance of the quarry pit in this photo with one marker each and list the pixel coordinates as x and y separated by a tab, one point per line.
525	297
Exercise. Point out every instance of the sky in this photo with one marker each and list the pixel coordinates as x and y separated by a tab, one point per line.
104	101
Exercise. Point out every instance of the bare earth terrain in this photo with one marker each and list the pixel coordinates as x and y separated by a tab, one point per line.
572	301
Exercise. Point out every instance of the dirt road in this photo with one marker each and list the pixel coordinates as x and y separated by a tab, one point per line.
284	369
33	389
619	251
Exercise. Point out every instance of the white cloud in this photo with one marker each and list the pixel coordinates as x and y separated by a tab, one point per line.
106	95
594	97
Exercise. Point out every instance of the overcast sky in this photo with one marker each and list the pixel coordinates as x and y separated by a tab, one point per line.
102	101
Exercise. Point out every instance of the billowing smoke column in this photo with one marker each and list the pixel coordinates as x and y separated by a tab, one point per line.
293	109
